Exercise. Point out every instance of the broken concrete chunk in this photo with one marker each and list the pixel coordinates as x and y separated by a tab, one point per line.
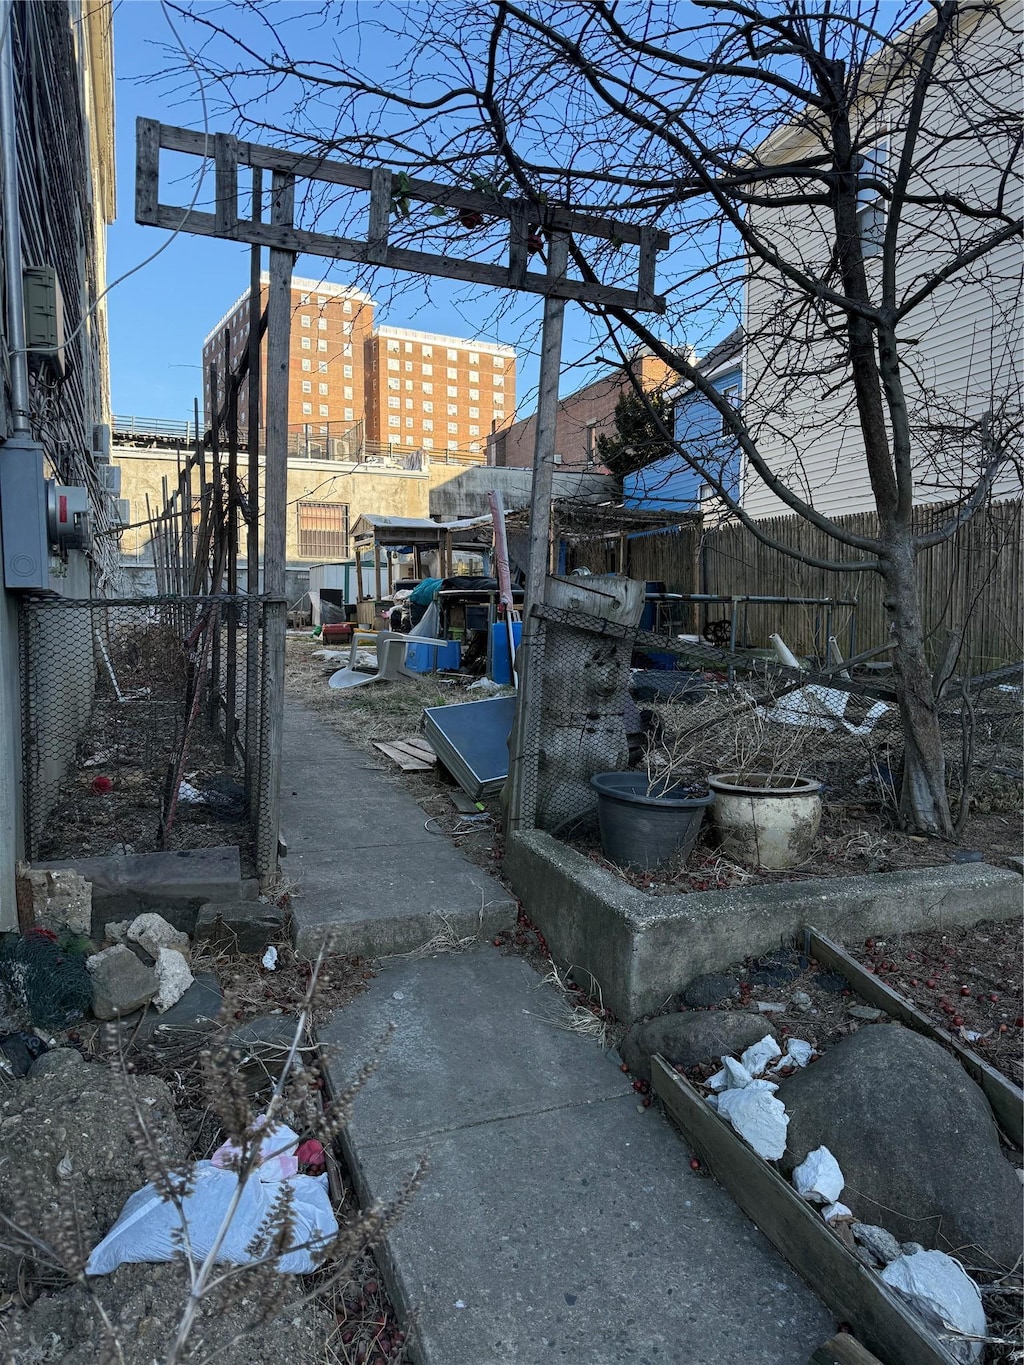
173	976
882	1245
758	1117
117	932
818	1178
54	900
241	926
120	982
152	933
941	1292
757	1057
866	1012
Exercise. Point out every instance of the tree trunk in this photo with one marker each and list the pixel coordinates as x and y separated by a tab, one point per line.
924	803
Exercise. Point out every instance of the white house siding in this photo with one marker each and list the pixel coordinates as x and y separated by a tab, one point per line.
967	335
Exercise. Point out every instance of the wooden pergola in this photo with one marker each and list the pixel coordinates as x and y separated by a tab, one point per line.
376	532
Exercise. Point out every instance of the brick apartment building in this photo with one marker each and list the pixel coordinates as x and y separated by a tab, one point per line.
363	387
582	417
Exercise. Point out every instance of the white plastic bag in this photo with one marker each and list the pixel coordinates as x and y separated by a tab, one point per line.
149	1228
819	1178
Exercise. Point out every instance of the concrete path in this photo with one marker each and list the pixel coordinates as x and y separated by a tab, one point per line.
556	1222
368	872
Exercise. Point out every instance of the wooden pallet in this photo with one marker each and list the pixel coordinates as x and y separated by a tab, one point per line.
412	755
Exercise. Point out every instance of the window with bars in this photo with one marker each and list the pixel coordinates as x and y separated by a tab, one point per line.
323	530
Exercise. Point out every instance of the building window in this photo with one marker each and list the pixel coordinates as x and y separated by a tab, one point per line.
474	431
474	357
408	367
428	407
408	421
349	415
307	364
307	409
394	421
307	345
453	410
499	415
474	412
307	387
428	369
394	347
322	388
410	440
394	383
345	369
474	447
394	364
325	410
474	395
453	374
321	324
346	329
496	361
453	392
453	355
303	298
346	392
428	443
428	388
408	348
428	424
428	350
498	381
453	428
305	320
321	299
321	345
345	350
323	530
474	376
408	402
731	394
346	307
394	402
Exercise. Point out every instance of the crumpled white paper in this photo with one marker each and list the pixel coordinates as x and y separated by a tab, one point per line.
939	1288
758	1055
758	1117
818	1178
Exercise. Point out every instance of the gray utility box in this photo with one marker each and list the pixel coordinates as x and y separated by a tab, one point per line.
23	516
44	318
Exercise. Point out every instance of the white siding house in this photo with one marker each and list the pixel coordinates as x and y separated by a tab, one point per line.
961	355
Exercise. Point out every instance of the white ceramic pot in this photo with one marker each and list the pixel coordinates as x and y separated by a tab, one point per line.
765	820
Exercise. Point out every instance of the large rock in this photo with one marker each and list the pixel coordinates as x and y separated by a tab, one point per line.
173	976
54	900
120	982
690	1038
915	1139
711	990
241	926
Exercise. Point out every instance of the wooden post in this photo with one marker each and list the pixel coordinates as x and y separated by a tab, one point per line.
275	619
376	574
216	540
252	542
523	755
231	663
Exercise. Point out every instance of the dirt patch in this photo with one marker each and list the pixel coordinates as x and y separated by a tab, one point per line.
968	982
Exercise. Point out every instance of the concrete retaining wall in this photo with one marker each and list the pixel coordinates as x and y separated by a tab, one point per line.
641	949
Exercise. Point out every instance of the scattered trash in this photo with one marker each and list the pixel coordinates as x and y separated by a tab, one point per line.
150	1227
769	1007
942	1293
818	1178
798	1053
188	795
65	1167
758	1055
311	1157
834	1213
398	995
101	786
459	1303
758	1117
21	1050
269	958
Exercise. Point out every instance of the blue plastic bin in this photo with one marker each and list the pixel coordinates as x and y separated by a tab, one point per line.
431	658
500	671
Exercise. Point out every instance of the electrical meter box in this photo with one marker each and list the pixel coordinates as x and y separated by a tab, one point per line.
23	513
44	318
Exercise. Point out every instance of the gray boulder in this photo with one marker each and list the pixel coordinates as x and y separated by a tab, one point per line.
55	1062
915	1139
120	982
690	1038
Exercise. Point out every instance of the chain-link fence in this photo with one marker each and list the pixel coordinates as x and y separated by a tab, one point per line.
688	709
141	724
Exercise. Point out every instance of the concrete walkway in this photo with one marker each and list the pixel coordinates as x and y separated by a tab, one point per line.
556	1222
368	872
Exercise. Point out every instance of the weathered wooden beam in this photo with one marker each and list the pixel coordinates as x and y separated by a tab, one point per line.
147	169
843	1350
300	241
444	196
1006	1100
518	246
855	1294
225	161
380	216
646	269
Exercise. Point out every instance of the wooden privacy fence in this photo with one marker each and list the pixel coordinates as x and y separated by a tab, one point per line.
973	579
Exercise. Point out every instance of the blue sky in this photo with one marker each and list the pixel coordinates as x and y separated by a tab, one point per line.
159	316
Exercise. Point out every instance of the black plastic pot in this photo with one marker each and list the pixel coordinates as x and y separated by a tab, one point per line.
642	831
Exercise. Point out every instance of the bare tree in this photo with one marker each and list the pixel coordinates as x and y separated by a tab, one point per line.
847	165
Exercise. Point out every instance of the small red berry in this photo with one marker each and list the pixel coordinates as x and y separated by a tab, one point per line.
623	1067
994	998
958	1019
647	1102
965	990
914	981
638	1086
101	785
694	1164
931	983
